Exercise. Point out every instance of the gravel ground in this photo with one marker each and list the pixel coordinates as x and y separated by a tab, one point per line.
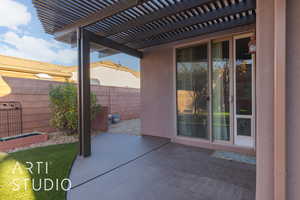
127	126
131	127
54	138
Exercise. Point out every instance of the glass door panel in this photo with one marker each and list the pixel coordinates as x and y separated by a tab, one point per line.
244	92
243	76
221	90
192	91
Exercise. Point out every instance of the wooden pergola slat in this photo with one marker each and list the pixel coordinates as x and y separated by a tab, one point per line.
100	15
188	34
226	11
163	12
127	22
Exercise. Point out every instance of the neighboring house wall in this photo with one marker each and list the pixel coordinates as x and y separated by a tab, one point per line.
31	69
33	95
103	73
113	77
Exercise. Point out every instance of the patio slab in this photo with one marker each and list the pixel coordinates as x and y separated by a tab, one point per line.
161	170
110	151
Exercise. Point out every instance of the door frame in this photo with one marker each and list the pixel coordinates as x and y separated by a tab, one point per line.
206	42
208	143
253	92
231	120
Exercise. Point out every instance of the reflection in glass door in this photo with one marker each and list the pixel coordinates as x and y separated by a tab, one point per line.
192	91
221	90
228	116
244	93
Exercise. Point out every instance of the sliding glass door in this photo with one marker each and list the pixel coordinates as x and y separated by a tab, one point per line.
215	91
193	91
221	90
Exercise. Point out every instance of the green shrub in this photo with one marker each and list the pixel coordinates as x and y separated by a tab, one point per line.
63	104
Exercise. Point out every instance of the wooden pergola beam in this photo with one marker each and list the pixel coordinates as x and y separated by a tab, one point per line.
97	16
103	41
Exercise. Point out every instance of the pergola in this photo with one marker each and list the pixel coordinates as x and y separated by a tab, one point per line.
129	26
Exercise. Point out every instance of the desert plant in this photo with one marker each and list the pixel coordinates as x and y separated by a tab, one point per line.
63	104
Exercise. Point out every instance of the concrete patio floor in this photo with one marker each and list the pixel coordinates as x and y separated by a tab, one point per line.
127	167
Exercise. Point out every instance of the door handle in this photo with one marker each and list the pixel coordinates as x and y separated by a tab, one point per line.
231	99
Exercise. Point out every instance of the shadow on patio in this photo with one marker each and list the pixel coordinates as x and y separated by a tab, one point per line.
134	167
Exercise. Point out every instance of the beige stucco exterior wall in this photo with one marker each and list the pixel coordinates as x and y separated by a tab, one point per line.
265	100
158	96
293	99
157	93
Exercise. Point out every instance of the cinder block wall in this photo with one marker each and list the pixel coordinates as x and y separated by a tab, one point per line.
33	95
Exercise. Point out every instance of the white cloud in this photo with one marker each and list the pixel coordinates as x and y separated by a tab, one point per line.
36	48
13	14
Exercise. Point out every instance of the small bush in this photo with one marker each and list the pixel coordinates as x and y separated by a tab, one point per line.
63	104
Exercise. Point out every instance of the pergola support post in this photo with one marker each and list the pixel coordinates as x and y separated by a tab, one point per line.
84	38
84	107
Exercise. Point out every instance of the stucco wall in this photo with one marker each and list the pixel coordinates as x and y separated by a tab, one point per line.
293	99
157	93
158	96
33	95
265	100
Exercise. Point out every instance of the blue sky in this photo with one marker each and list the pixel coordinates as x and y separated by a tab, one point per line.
22	35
